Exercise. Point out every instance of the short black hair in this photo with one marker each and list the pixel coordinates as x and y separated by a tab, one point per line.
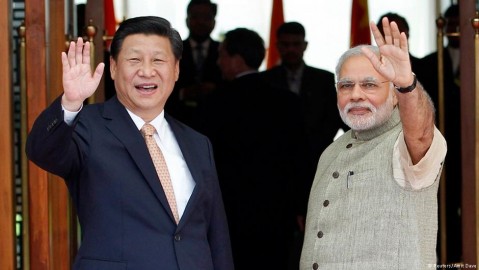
393	17
294	28
148	25
246	43
192	3
452	11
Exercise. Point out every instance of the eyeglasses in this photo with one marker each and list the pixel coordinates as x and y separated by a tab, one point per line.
367	86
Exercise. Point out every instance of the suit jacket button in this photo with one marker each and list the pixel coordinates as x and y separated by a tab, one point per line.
315	266
177	237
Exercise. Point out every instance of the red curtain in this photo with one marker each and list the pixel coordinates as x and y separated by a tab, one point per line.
277	18
360	32
110	20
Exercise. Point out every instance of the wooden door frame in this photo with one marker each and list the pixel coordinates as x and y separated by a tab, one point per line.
7	209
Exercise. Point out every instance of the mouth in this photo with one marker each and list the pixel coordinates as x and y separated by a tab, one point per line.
146	87
359	110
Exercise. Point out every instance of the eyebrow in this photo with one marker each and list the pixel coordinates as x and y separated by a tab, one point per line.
366	79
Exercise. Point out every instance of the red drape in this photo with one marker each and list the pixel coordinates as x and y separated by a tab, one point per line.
277	18
110	20
360	32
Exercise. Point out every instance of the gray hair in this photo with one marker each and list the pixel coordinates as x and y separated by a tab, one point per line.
354	51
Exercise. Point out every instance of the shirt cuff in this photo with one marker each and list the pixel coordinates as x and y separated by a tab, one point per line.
69	116
426	171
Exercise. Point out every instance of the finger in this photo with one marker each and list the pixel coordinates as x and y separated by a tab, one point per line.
78	51
373	58
65	64
387	31
71	54
86	53
376	33
404	43
99	72
396	34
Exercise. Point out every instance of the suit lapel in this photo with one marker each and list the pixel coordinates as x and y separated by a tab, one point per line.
188	148
123	128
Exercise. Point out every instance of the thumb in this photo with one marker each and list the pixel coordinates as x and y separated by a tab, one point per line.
98	72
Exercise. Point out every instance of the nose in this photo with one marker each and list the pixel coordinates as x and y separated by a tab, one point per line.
146	69
357	93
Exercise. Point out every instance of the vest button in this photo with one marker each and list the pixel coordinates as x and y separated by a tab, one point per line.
335	174
320	234
315	266
326	203
349	145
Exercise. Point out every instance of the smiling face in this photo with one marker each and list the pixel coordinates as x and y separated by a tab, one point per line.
144	74
363	109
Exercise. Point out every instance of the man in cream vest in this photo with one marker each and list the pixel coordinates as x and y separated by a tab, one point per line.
373	203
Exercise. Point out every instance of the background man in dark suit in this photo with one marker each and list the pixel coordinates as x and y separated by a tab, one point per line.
98	149
257	136
199	74
314	87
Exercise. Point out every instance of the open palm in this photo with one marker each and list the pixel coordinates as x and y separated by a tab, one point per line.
78	81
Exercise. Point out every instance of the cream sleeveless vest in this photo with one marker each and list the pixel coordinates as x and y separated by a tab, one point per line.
359	217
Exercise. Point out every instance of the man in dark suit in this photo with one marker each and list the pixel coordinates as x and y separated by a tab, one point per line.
199	74
125	216
314	87
257	136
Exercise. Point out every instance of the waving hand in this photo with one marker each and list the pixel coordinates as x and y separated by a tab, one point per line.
394	63
78	81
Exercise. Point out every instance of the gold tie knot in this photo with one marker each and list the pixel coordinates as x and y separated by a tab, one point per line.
148	130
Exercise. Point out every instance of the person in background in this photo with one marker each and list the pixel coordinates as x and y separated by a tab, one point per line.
258	140
373	203
136	210
452	126
200	73
315	89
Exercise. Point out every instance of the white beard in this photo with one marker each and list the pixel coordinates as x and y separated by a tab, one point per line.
377	117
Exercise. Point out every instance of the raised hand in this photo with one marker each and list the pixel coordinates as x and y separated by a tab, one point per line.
393	62
78	81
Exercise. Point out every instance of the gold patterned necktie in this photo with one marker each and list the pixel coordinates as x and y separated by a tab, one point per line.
160	165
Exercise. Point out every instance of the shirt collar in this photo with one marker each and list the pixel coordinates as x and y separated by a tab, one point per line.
158	122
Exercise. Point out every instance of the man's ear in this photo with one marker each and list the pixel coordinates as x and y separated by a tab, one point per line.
112	68
177	70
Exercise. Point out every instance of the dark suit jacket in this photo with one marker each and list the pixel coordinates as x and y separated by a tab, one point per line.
184	110
318	105
257	135
211	71
123	212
